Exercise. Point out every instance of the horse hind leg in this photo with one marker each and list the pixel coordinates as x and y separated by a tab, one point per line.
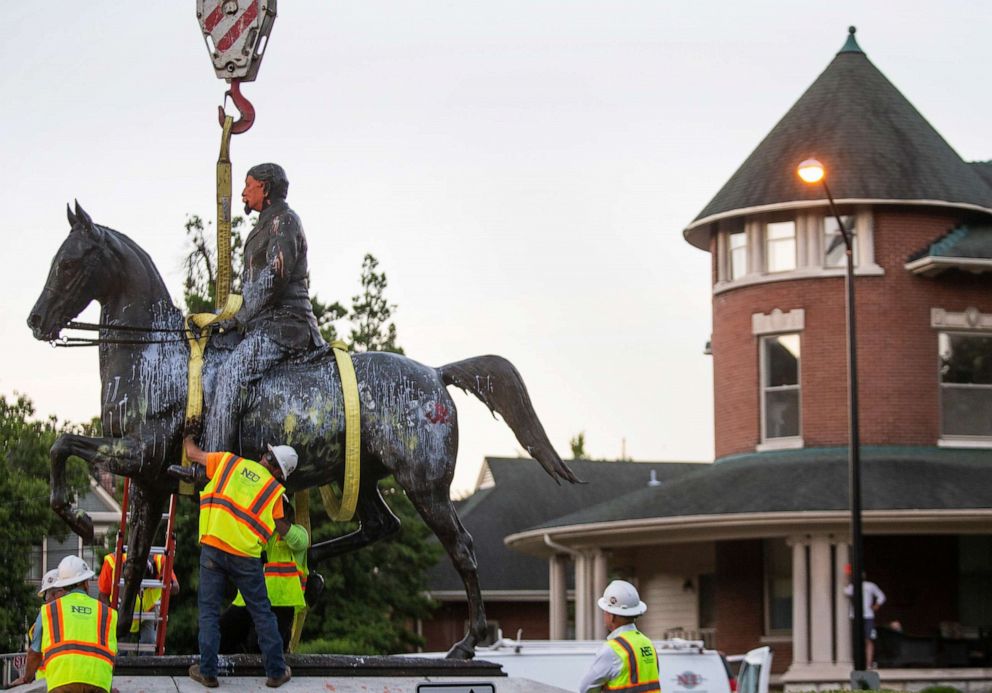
375	521
435	507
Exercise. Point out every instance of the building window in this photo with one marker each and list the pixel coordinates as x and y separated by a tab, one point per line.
834	249
736	254
780	386
780	246
965	384
778	587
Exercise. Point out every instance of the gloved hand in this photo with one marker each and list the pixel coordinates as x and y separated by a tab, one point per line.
194	474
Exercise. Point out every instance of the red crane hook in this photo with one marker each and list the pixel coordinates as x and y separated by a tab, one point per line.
245	109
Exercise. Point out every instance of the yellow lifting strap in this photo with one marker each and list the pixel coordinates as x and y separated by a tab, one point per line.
343	509
302	500
223	286
197	345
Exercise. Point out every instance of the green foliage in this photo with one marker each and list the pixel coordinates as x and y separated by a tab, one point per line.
327	314
941	689
372	596
578	445
370	312
25	515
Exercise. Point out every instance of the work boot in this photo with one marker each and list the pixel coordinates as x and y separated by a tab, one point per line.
280	680
208	681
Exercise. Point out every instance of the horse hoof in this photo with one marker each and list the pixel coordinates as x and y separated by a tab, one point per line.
461	650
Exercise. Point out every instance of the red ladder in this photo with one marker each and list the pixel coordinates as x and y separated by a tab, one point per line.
165	583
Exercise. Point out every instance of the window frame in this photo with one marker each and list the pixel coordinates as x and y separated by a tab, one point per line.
779	441
951	439
767	242
852	229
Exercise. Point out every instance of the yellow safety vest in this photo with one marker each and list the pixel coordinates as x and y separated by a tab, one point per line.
149	596
283	577
236	505
79	641
39	674
640	664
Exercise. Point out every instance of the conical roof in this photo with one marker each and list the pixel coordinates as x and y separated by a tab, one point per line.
875	146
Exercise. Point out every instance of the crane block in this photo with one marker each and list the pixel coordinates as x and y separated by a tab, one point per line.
236	33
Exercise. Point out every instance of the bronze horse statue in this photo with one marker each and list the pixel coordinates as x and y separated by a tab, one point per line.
409	425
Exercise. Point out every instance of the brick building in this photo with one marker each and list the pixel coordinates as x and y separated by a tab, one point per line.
751	550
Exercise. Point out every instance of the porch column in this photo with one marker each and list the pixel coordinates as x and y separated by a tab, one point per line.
845	655
800	602
557	597
598	587
821	611
583	596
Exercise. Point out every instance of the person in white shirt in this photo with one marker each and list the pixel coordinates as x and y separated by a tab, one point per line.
627	660
873	598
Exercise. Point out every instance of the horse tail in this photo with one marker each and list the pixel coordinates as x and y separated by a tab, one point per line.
498	385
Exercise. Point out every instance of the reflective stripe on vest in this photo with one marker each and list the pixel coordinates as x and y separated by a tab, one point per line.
236	505
283	578
79	641
639	673
149	596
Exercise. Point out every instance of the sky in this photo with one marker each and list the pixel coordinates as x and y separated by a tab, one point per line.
522	169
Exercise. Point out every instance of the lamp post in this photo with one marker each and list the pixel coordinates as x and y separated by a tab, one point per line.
812	171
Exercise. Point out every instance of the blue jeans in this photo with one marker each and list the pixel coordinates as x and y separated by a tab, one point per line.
216	567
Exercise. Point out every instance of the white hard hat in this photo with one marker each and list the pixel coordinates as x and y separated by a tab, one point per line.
48	582
621	598
286	457
72	570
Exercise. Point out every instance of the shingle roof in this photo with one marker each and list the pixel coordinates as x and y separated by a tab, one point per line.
874	144
966	240
524	496
808	480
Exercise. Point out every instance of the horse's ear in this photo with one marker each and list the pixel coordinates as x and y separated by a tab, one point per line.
83	216
70	215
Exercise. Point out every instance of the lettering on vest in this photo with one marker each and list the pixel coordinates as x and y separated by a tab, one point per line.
250	475
647	652
82	610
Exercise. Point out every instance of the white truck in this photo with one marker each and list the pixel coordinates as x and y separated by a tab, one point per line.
684	666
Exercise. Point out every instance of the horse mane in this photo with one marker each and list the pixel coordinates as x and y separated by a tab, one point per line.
127	249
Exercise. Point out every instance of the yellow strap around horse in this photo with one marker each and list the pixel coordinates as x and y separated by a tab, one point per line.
197	345
343	509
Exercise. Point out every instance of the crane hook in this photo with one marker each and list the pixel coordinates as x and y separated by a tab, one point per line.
245	109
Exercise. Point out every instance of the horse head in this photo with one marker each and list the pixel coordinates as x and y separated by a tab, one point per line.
77	276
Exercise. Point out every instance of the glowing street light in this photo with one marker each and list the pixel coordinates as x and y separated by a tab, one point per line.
812	172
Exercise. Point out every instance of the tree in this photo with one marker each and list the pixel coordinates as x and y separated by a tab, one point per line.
578	445
25	515
374	595
370	312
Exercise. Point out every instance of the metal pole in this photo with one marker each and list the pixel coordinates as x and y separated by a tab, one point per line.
854	453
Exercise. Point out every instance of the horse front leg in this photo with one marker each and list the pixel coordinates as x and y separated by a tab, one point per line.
144	521
122	456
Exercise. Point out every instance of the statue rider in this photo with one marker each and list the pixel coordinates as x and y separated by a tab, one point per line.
276	319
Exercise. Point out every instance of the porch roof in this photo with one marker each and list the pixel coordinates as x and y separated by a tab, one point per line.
807	480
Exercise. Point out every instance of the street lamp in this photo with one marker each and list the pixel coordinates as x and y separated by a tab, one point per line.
812	172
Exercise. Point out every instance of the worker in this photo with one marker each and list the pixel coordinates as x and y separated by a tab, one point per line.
240	508
149	600
79	638
285	567
627	661
34	667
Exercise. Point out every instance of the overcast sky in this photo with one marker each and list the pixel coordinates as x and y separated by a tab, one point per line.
523	171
